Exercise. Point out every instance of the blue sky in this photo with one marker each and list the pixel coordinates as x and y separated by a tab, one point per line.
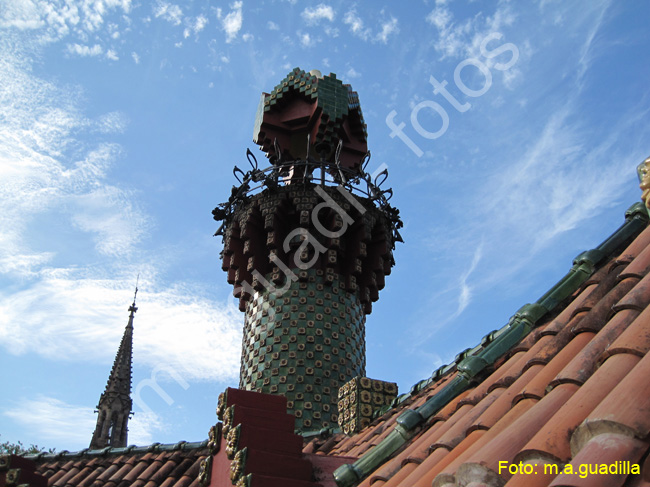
120	122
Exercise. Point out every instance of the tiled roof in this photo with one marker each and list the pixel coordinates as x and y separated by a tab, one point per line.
574	390
173	465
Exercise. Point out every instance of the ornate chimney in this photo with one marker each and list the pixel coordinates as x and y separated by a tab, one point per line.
308	242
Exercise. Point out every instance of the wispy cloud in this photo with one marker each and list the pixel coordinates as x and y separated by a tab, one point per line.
53	421
387	29
195	25
54	22
358	27
306	40
352	73
56	422
174	325
84	51
463	38
587	52
232	23
168	11
46	168
356	24
313	15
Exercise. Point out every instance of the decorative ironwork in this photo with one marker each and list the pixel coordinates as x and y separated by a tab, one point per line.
310	171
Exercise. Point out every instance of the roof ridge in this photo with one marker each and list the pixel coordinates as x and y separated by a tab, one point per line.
131	449
471	363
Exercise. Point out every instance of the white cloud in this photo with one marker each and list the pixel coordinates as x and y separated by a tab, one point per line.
359	29
85	51
272	25
200	23
195	26
313	15
356	24
52	420
46	169
136	57
112	55
331	31
586	51
463	38
387	29
247	37
142	427
75	315
305	39
53	22
351	73
232	23
170	12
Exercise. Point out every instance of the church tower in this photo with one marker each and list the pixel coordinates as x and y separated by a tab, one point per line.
308	242
115	403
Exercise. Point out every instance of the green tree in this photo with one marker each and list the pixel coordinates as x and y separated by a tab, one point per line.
8	448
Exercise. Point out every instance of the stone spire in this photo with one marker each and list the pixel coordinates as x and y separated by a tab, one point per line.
115	403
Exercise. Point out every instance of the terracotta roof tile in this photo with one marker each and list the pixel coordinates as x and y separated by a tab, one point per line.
625	409
543	393
504	402
607	449
439	459
136	467
552	440
585	362
64	479
151	469
638	244
56	476
458	429
568	313
635	339
506	444
536	388
162	472
83	473
184	481
599	314
639	266
638	298
90	478
510	368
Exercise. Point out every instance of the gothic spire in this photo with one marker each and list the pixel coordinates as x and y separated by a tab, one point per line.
115	403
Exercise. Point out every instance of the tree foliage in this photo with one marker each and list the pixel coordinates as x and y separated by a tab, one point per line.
8	448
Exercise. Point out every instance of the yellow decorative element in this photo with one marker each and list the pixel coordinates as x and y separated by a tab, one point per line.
227	420
245	481
237	466
221	405
232	441
214	435
643	171
12	476
205	471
